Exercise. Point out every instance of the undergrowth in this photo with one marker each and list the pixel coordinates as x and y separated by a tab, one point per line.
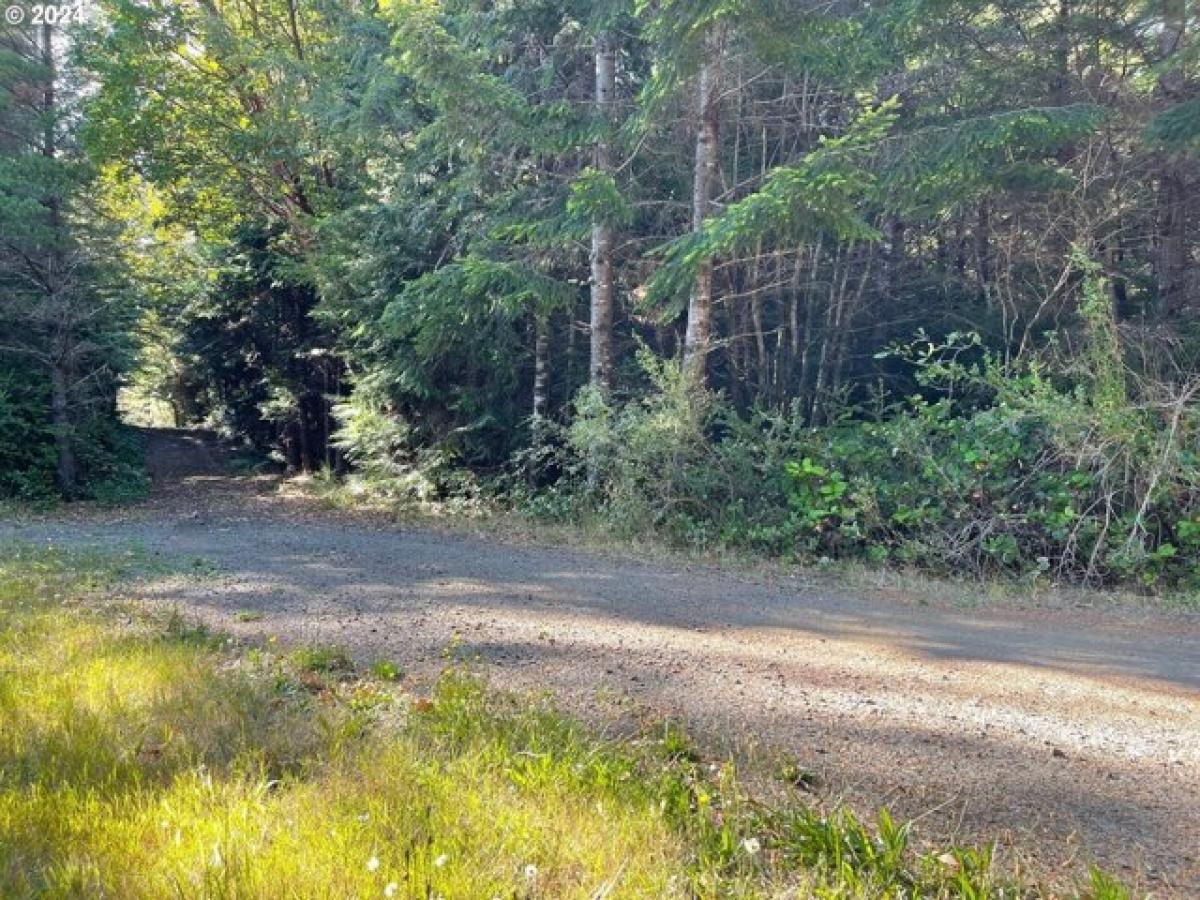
1022	471
143	756
1032	474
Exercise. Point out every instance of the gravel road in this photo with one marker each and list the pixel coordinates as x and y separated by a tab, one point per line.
1065	735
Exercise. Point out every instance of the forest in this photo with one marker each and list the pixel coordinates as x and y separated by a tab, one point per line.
600	449
913	282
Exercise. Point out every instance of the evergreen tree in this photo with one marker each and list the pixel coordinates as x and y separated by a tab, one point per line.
62	316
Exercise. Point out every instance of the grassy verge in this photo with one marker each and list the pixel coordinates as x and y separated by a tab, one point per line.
143	757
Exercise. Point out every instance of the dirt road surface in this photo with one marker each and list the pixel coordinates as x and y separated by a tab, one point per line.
1065	735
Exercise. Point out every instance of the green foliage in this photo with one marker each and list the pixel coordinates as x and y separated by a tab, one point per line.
65	310
993	468
386	670
109	456
654	457
940	163
359	235
1029	479
378	442
251	360
112	461
1178	128
820	500
327	660
390	457
821	196
27	454
594	197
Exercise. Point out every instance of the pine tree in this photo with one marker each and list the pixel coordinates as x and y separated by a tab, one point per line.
61	318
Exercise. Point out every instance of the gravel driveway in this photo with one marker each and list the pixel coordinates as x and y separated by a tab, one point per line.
1063	735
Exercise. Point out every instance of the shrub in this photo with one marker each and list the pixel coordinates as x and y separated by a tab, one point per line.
995	469
109	455
26	442
386	452
677	461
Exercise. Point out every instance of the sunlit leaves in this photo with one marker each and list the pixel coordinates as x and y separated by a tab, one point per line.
823	194
595	197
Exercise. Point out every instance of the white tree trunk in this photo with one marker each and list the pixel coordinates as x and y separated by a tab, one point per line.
600	370
698	337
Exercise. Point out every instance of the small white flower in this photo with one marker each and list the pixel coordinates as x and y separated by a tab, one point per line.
531	872
751	845
373	864
390	890
441	860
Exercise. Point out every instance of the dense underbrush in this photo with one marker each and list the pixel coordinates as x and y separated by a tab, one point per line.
108	455
1021	474
1039	471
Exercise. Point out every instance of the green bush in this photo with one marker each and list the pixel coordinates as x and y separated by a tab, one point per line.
26	441
993	470
677	461
385	450
109	455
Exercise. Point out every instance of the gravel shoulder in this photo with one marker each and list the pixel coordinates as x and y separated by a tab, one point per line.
1066	736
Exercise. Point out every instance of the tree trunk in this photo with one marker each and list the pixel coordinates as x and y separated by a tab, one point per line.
1171	263
304	431
1061	79
787	386
541	368
698	337
829	337
983	252
600	370
570	353
803	390
891	253
541	374
66	470
49	146
66	467
756	325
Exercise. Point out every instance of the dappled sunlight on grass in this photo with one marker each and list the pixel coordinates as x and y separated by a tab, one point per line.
365	823
143	756
139	760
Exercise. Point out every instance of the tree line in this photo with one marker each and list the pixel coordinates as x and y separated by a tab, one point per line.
460	239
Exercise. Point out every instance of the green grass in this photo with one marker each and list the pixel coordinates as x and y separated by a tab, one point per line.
326	660
142	756
386	670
